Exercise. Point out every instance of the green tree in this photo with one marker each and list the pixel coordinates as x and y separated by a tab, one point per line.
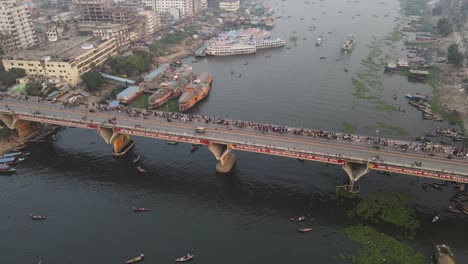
9	77
454	56
92	80
444	27
135	64
33	88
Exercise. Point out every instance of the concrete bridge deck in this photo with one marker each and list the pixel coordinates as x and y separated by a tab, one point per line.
355	157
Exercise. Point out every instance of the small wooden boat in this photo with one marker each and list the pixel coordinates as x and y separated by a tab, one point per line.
454	210
172	142
135	259
140	209
37	217
401	109
300	160
304	229
323	58
297	218
140	169
6	168
346	70
185	258
434	185
193	148
136	159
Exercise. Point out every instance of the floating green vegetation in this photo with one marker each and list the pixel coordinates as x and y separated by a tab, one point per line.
395	36
386	129
379	248
292	39
171	106
348	128
361	90
375	52
141	102
388	207
370	64
383	106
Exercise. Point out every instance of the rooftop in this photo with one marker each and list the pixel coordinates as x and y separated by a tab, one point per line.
61	50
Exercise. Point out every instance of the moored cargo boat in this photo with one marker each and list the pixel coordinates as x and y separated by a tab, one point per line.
195	91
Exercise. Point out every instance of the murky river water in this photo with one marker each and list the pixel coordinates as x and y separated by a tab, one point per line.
241	217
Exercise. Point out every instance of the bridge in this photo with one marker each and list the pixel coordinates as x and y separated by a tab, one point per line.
357	155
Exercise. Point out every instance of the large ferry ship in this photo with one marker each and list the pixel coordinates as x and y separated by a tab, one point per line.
195	91
226	49
269	43
348	43
245	41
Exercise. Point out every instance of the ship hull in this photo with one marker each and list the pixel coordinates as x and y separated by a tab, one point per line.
186	107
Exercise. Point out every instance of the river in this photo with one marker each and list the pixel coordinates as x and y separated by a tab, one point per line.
241	217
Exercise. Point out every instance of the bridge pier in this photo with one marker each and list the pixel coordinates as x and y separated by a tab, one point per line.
354	171
25	129
224	156
122	143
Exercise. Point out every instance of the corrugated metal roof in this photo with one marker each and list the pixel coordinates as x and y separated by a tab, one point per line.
157	72
129	91
118	79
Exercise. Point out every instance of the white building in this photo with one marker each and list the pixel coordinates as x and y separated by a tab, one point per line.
229	5
16	23
185	7
153	22
150	3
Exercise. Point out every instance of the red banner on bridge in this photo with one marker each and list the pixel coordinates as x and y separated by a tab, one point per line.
418	172
57	121
161	136
290	154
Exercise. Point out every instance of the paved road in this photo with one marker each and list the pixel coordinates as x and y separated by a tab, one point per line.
219	133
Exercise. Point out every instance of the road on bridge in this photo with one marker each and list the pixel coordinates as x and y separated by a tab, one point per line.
353	150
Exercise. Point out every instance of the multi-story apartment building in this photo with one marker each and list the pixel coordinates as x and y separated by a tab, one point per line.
199	6
62	61
16	27
185	7
117	31
153	22
149	3
229	5
93	10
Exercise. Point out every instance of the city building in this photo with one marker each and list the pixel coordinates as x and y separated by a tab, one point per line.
185	7
149	3
199	6
62	61
93	10
16	27
119	32
152	24
229	5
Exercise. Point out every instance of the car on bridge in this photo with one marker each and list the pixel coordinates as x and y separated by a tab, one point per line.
200	130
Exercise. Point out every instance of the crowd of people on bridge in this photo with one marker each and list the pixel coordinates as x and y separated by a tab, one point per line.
376	142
